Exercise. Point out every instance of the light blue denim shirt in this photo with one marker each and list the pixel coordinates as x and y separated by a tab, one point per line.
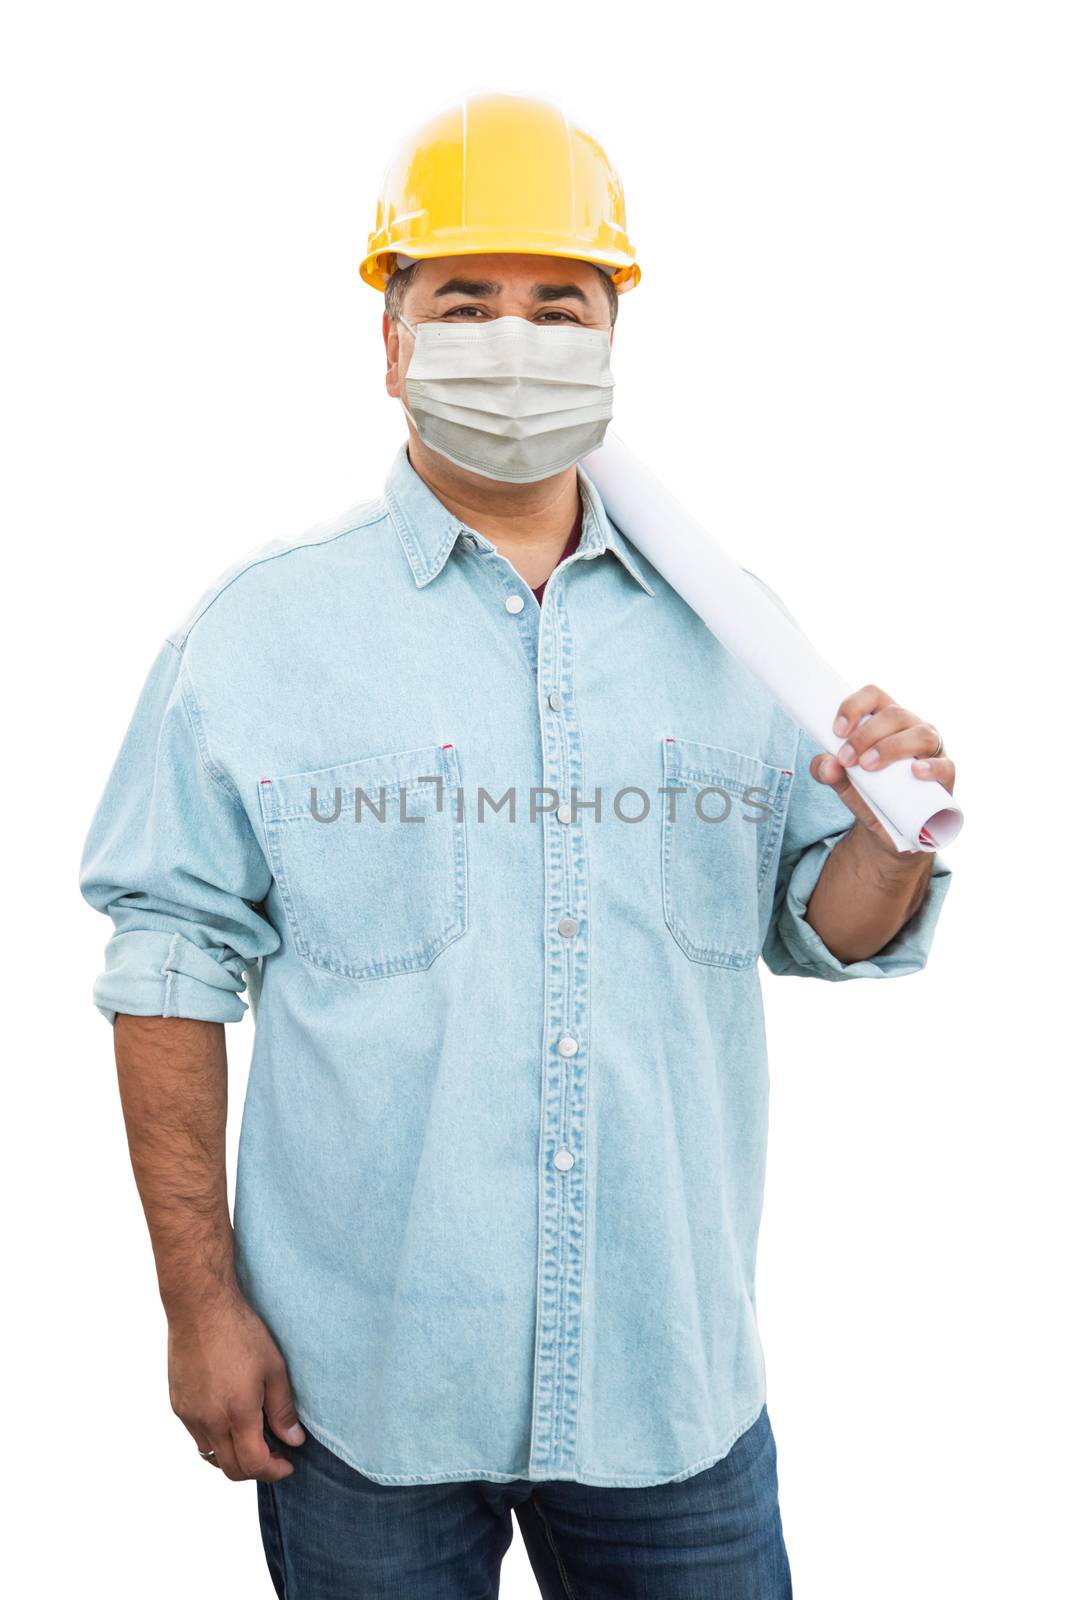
503	1145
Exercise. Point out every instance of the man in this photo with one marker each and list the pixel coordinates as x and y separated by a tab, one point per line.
496	833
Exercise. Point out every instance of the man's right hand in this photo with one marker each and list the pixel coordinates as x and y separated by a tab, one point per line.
226	1376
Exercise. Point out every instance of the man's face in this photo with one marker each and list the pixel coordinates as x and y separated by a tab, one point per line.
546	290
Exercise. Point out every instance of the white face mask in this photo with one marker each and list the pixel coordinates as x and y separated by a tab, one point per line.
509	399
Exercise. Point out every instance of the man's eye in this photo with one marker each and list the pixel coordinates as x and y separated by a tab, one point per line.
556	316
459	312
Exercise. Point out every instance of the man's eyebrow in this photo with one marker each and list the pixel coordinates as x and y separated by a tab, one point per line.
559	291
480	288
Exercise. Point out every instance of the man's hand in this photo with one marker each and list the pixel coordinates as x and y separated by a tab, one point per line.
868	889
225	1375
225	1372
876	733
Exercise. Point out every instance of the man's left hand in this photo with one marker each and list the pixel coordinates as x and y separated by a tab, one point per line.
876	732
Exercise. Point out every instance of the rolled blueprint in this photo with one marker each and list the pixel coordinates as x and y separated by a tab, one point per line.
917	813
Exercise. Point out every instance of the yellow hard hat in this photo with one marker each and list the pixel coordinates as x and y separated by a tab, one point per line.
501	173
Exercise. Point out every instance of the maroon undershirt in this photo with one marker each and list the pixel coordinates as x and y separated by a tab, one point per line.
574	539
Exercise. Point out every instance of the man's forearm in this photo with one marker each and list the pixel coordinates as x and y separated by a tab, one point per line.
865	894
173	1086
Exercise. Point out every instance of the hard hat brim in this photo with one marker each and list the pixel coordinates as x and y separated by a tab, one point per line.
379	264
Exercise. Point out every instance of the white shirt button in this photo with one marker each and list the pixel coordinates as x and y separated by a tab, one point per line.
514	604
469	541
567	1046
568	927
555	700
563	1161
563	812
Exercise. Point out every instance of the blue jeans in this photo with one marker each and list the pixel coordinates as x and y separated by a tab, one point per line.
332	1534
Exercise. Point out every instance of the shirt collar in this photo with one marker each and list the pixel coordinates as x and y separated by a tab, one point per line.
428	531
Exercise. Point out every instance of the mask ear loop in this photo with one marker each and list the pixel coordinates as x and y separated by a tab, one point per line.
402	402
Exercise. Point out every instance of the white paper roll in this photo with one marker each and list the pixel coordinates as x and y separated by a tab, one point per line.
917	813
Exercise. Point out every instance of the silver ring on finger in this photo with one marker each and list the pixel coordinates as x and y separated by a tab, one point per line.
939	746
206	1455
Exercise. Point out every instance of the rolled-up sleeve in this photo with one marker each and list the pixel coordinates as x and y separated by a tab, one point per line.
172	857
816	821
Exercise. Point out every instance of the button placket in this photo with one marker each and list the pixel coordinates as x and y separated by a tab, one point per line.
515	611
562	1166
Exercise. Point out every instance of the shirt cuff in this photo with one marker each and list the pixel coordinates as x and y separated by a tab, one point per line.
802	951
158	974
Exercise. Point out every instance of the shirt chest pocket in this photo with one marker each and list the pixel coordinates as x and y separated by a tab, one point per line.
370	861
723	818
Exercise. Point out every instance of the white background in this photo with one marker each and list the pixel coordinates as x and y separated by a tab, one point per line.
852	351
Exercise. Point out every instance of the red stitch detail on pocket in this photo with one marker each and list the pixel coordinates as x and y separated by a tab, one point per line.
447	747
788	772
669	741
266	780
